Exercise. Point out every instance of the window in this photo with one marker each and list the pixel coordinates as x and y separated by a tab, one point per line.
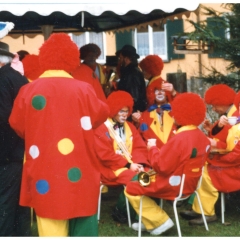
151	40
91	37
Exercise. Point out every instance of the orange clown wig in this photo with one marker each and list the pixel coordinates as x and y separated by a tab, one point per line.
152	64
188	109
59	52
31	67
117	100
220	94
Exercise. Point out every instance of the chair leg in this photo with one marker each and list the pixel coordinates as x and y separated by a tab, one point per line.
128	213
140	217
128	210
176	218
223	206
201	208
161	203
99	201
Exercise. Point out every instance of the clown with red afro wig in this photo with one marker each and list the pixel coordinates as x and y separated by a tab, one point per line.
117	100
152	66
59	52
188	109
220	94
31	67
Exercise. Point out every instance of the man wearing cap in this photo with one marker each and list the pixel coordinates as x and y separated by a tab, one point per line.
221	172
121	151
111	73
188	144
131	78
14	219
56	115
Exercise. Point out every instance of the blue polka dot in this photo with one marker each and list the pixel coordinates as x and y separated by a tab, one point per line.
42	186
107	134
143	127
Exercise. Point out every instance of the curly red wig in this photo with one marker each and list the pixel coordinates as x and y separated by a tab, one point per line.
220	94
188	109
117	100
152	64
31	66
59	52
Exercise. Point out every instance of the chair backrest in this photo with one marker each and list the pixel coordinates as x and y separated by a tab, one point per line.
191	177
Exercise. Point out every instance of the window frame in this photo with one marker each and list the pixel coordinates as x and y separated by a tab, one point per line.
165	56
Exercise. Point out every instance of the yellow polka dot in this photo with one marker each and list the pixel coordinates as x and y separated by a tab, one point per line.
65	146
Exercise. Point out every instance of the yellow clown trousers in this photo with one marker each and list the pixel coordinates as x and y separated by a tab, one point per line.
152	215
208	195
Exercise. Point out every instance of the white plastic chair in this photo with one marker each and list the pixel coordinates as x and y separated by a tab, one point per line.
189	171
99	204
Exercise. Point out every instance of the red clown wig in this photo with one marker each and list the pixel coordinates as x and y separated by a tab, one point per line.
220	94
188	109
31	67
117	100
152	64
59	52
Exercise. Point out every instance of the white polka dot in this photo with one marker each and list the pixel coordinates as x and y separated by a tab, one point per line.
174	180
207	148
131	138
34	151
86	123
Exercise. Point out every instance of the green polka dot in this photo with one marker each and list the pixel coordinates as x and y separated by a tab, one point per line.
38	102
74	174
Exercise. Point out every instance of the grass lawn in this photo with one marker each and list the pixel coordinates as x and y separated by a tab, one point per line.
109	228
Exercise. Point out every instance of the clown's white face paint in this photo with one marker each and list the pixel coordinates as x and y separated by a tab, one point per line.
122	115
160	96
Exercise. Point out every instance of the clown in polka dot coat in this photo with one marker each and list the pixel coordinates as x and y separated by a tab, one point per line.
56	117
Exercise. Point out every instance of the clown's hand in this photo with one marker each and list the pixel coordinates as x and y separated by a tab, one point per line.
136	116
212	142
223	120
168	87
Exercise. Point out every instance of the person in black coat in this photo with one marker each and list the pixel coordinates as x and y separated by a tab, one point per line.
131	78
15	220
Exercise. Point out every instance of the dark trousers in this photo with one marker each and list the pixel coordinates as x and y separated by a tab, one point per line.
15	220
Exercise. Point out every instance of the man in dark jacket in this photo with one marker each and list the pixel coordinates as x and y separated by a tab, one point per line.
131	78
14	219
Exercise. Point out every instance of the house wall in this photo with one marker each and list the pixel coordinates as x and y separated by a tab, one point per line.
190	64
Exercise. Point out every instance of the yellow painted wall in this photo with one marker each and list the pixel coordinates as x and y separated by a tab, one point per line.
190	64
30	43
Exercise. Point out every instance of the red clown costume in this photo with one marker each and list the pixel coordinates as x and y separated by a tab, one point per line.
86	74
56	115
189	143
113	165
154	125
222	173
